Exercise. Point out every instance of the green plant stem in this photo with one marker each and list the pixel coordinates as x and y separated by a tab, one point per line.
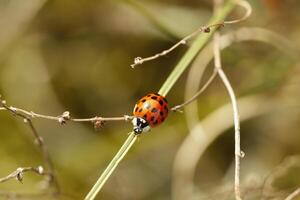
112	166
199	43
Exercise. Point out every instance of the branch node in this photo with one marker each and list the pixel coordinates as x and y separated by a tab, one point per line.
165	52
177	109
39	141
137	61
40	170
19	175
183	42
206	29
64	117
127	118
242	154
98	123
32	114
13	108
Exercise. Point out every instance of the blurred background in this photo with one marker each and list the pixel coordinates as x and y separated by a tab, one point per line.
70	55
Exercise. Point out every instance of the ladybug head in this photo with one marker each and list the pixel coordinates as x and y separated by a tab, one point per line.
140	125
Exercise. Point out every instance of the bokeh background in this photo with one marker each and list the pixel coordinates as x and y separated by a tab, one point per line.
70	55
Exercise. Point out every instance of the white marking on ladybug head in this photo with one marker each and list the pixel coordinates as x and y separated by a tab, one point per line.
140	125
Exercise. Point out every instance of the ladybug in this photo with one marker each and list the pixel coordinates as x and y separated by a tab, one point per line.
150	111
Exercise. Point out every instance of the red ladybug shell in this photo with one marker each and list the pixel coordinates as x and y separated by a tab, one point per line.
153	108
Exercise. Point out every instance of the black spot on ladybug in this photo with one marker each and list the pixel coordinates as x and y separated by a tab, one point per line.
149	95
166	108
154	97
161	102
145	116
162	119
161	113
155	122
154	110
143	100
152	118
136	109
141	110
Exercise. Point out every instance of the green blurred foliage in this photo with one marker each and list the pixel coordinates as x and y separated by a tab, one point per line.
75	55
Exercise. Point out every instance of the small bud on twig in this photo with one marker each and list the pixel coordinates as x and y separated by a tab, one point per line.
64	117
13	109
40	170
206	29
127	117
98	124
19	175
242	154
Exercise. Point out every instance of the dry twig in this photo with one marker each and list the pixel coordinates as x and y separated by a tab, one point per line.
193	98
222	75
205	29
38	140
19	173
63	118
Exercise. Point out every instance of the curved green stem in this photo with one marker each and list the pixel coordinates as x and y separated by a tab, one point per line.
112	166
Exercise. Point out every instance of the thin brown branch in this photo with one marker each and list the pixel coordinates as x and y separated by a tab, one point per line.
51	180
293	194
222	75
19	173
104	119
238	152
63	118
193	98
205	29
